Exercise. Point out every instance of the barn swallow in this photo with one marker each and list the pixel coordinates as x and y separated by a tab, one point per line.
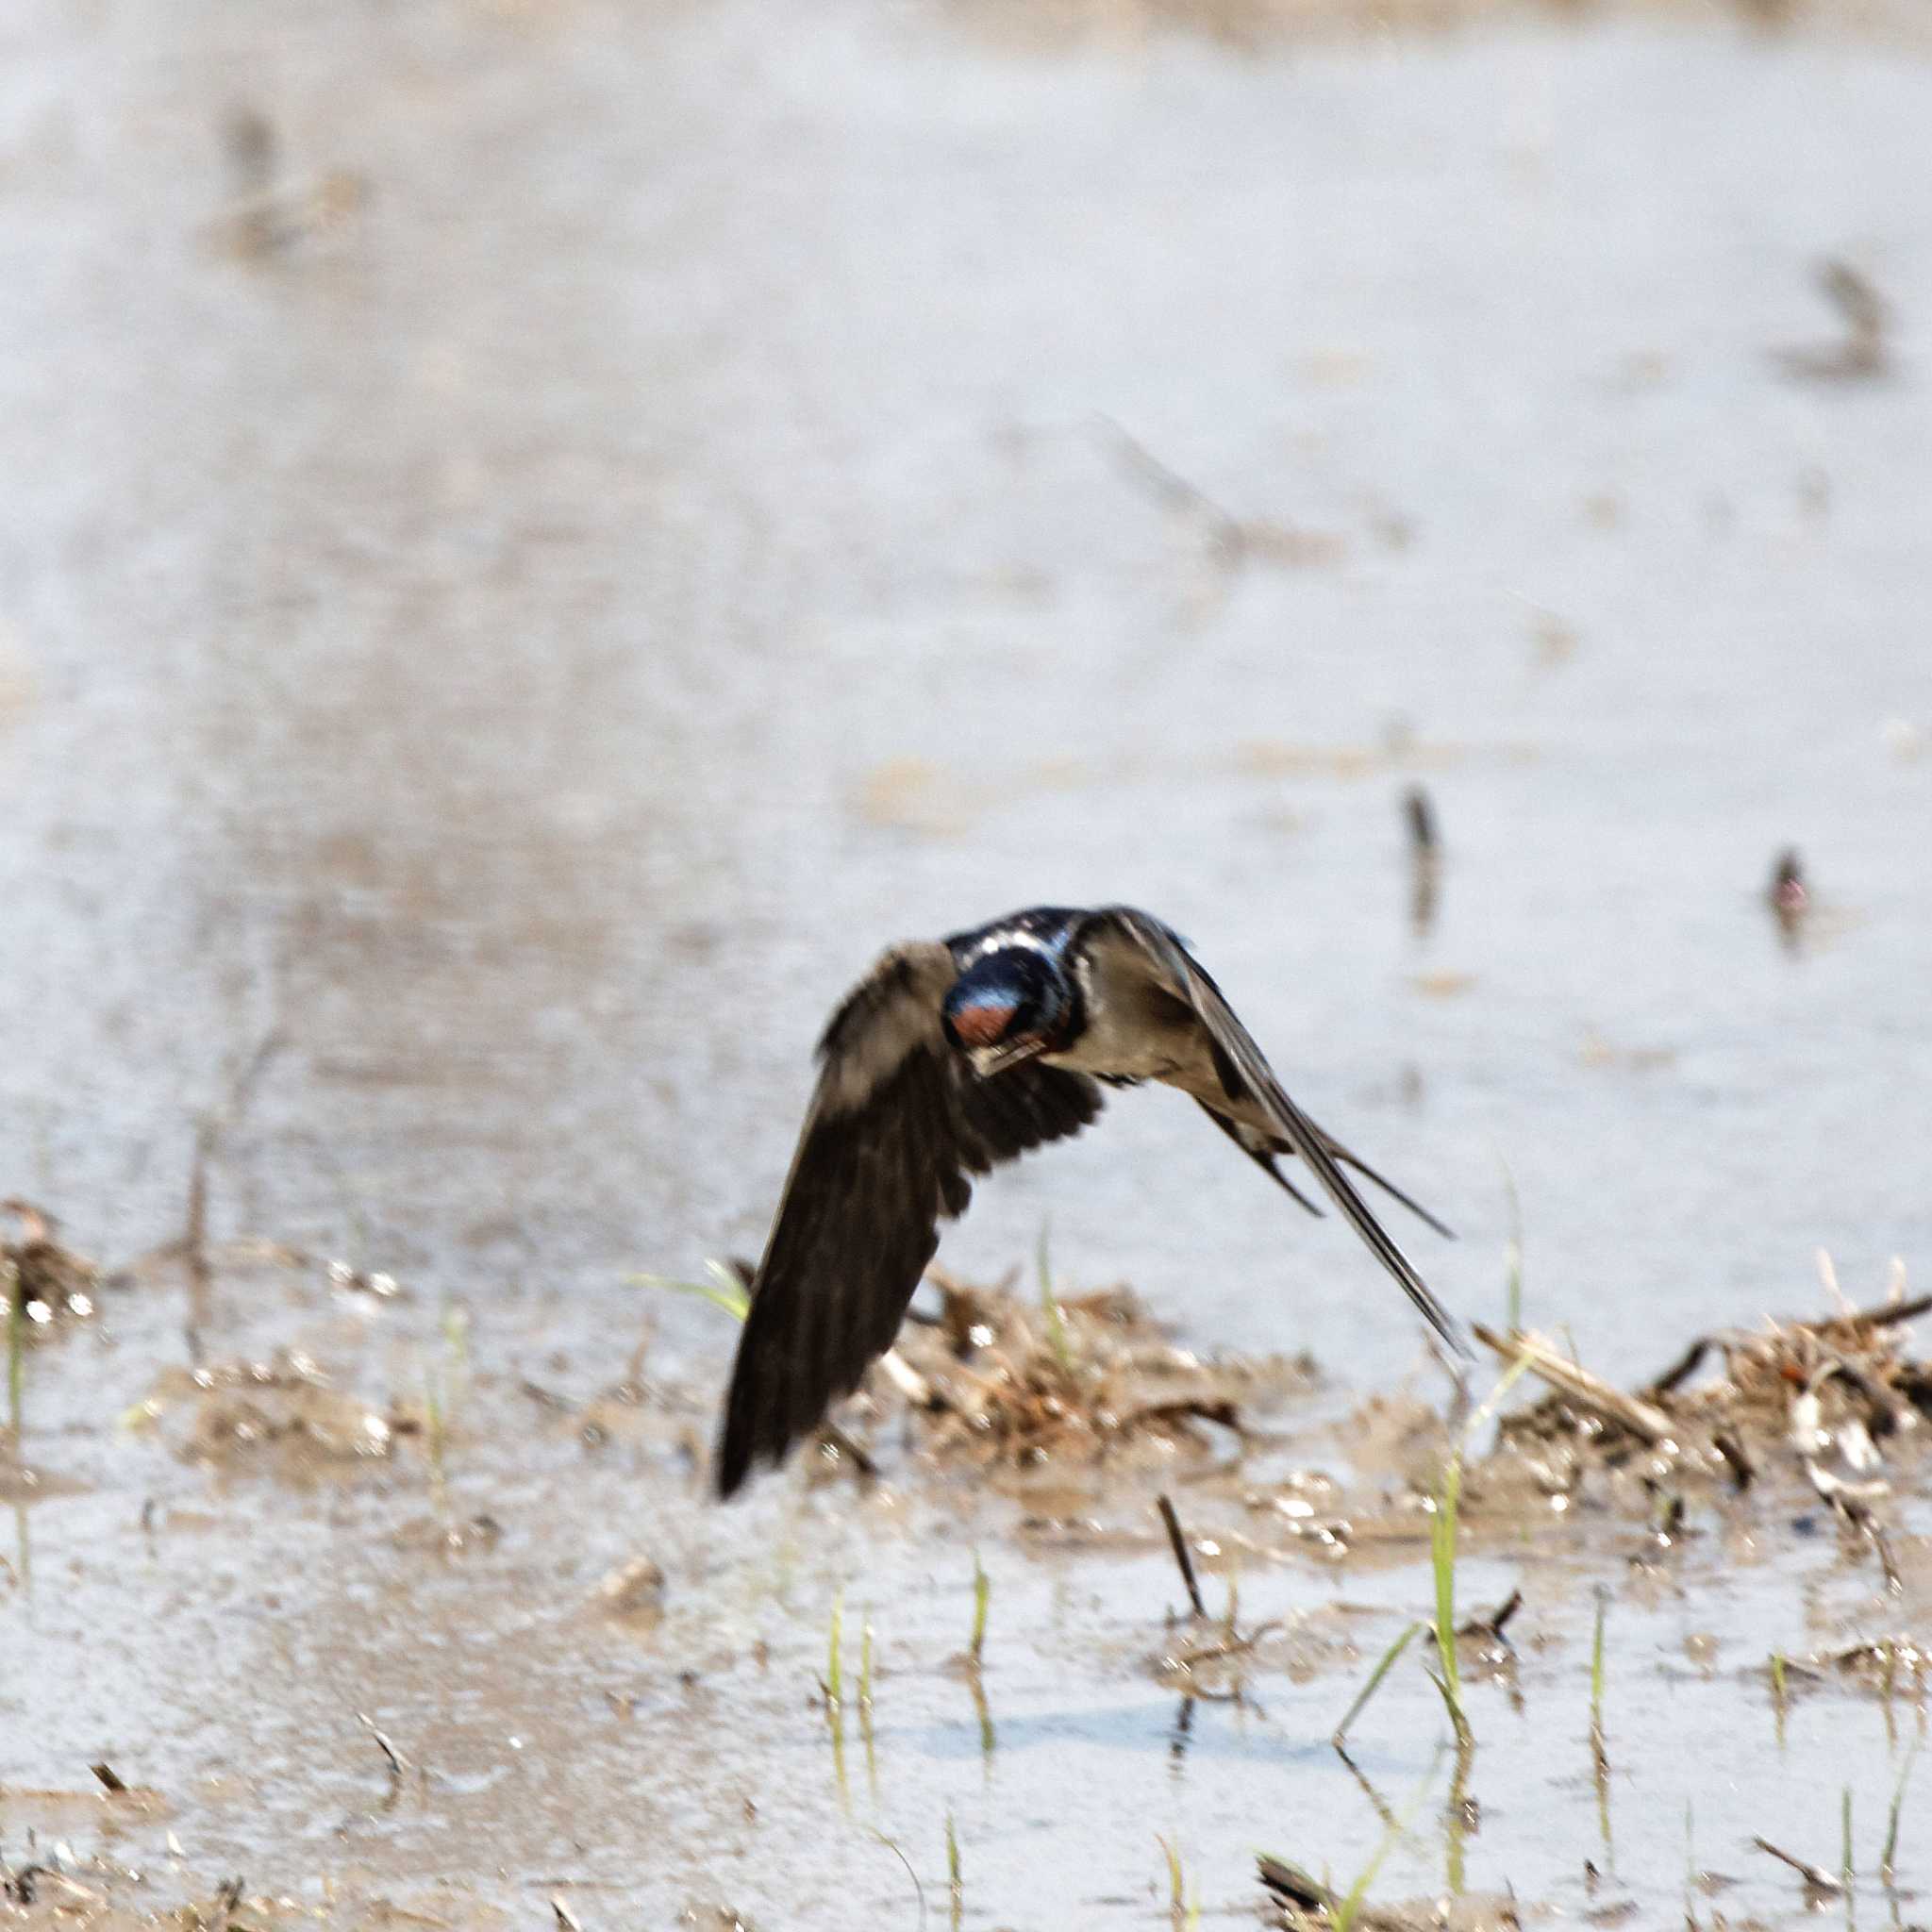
950	1057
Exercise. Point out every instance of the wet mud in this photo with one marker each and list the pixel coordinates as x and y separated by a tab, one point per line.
435	1624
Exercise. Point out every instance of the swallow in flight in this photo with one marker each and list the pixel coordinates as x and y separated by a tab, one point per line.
952	1055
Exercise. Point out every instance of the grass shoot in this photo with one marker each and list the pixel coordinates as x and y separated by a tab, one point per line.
16	1346
1513	1253
956	1884
721	1287
1373	1684
1597	1687
1442	1566
1348	1909
1887	1858
982	1597
1050	1308
834	1682
1442	1529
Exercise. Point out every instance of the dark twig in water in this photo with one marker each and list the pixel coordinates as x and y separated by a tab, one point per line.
1226	536
397	1762
108	1775
1862	353
1495	1624
1292	1886
1425	858
1232	541
1419	813
1182	1558
1787	894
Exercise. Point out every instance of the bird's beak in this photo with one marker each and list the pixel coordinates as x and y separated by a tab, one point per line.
989	1061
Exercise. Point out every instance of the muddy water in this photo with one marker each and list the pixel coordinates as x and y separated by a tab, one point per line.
536	536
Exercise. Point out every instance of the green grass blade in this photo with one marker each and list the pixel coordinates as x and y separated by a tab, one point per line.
834	1682
982	1597
723	1290
1374	1684
1050	1307
16	1347
1887	1857
1443	1562
956	1883
1350	1908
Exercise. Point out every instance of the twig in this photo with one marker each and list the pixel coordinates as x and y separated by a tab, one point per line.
1494	1623
1292	1885
1226	535
908	1382
1641	1419
1179	1542
1889	1313
397	1762
1820	1881
1682	1367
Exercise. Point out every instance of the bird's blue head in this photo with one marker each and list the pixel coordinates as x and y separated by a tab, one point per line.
1007	1007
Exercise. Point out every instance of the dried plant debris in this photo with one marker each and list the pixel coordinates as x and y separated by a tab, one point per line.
1299	1901
279	1416
1068	1381
46	1283
57	1889
1837	1400
633	1594
1889	1666
1249	25
1835	1385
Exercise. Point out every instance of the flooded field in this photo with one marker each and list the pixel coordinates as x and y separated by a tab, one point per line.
539	536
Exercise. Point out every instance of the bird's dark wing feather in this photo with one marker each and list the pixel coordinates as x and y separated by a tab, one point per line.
897	1122
1243	1071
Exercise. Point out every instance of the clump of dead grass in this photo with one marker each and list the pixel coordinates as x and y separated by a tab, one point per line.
280	1417
1069	1380
1826	1388
45	1284
1837	1399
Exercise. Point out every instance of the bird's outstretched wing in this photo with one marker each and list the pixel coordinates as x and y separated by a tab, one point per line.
1245	1074
897	1122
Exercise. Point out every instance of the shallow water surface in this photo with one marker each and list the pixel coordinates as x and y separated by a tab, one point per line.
657	503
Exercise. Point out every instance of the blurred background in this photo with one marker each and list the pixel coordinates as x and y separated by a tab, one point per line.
540	536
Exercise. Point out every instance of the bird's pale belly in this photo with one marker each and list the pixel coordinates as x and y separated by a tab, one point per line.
1130	1053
